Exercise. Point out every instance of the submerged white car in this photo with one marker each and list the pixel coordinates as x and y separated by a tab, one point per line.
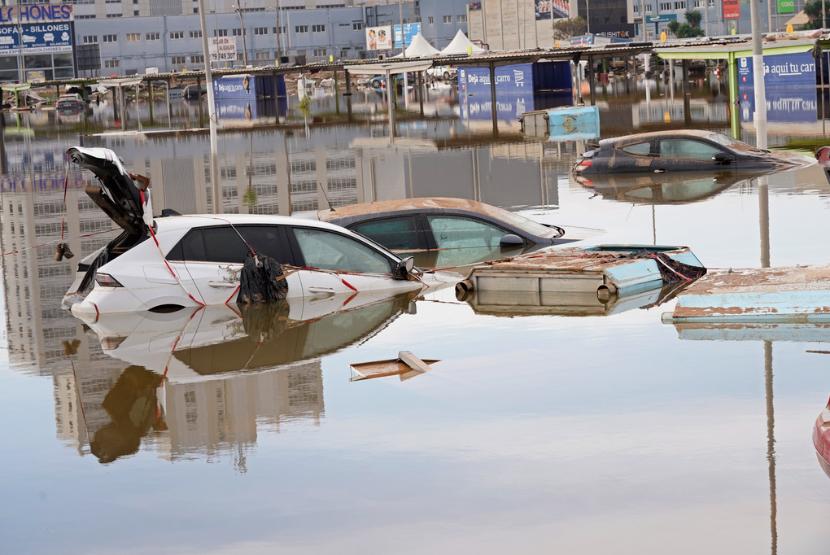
168	263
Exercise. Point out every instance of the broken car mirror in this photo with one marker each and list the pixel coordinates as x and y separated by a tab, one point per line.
405	267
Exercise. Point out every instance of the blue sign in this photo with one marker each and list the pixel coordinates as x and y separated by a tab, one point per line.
248	87
574	123
409	32
512	79
662	18
783	70
37	37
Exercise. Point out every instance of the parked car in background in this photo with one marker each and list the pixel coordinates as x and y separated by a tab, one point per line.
70	103
459	231
444	73
681	151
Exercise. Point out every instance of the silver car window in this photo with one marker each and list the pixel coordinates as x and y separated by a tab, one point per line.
332	251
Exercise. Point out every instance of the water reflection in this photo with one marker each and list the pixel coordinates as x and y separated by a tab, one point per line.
661	188
202	381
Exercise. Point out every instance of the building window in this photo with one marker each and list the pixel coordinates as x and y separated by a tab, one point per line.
177	35
260	30
133	37
461	19
110	38
430	20
90	39
111	15
357	26
301	29
135	13
152	36
195	34
318	28
319	52
197	59
220	32
178	60
237	32
263	55
447	19
114	62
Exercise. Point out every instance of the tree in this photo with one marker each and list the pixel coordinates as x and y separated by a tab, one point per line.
674	26
813	11
566	28
693	18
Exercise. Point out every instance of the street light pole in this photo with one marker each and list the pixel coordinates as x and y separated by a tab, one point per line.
587	16
244	42
277	34
758	76
214	137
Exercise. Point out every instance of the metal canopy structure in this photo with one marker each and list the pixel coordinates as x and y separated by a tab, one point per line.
390	68
730	52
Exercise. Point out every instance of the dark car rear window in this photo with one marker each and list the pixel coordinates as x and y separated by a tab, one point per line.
223	244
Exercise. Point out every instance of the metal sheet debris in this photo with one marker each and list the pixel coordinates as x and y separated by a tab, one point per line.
605	271
406	366
775	295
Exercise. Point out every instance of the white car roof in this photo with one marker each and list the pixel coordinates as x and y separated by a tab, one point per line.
172	223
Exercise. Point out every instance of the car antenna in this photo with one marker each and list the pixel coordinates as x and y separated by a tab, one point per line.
325	196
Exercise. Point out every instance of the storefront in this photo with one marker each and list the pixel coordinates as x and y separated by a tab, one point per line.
46	33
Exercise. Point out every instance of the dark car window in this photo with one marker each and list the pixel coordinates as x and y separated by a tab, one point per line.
392	233
453	232
223	244
332	251
639	149
688	149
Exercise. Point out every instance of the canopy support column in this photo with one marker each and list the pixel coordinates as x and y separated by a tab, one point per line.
494	113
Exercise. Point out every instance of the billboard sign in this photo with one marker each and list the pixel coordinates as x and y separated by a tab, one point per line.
783	70
512	79
379	38
37	38
786	6
222	49
35	13
556	8
731	9
409	32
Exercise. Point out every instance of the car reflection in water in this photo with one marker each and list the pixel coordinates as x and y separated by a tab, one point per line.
821	439
677	188
198	381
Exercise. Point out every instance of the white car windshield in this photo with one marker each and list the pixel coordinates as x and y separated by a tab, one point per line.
525	224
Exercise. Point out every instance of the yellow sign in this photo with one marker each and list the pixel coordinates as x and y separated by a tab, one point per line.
790	27
663	36
331	58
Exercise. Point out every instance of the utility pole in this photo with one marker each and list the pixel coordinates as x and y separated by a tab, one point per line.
403	37
587	16
823	14
278	36
643	20
21	62
244	42
214	139
706	17
758	76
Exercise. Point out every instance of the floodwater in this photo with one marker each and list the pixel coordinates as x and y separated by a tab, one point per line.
598	434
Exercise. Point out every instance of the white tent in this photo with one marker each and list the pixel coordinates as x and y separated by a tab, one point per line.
419	48
461	45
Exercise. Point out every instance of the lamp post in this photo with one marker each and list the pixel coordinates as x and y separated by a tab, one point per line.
758	76
238	11
278	36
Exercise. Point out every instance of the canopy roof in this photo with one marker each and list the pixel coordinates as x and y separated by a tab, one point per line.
461	45
392	67
420	48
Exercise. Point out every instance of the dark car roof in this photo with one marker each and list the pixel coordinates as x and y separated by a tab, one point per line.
642	137
399	205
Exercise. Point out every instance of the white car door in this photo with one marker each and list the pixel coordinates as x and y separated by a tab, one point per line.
335	263
214	256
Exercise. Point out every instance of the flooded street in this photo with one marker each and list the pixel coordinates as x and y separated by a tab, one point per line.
212	431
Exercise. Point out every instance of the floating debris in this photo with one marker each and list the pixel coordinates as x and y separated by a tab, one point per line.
776	295
606	272
407	366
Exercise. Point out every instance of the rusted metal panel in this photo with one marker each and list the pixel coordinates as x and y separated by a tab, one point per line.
788	294
620	269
